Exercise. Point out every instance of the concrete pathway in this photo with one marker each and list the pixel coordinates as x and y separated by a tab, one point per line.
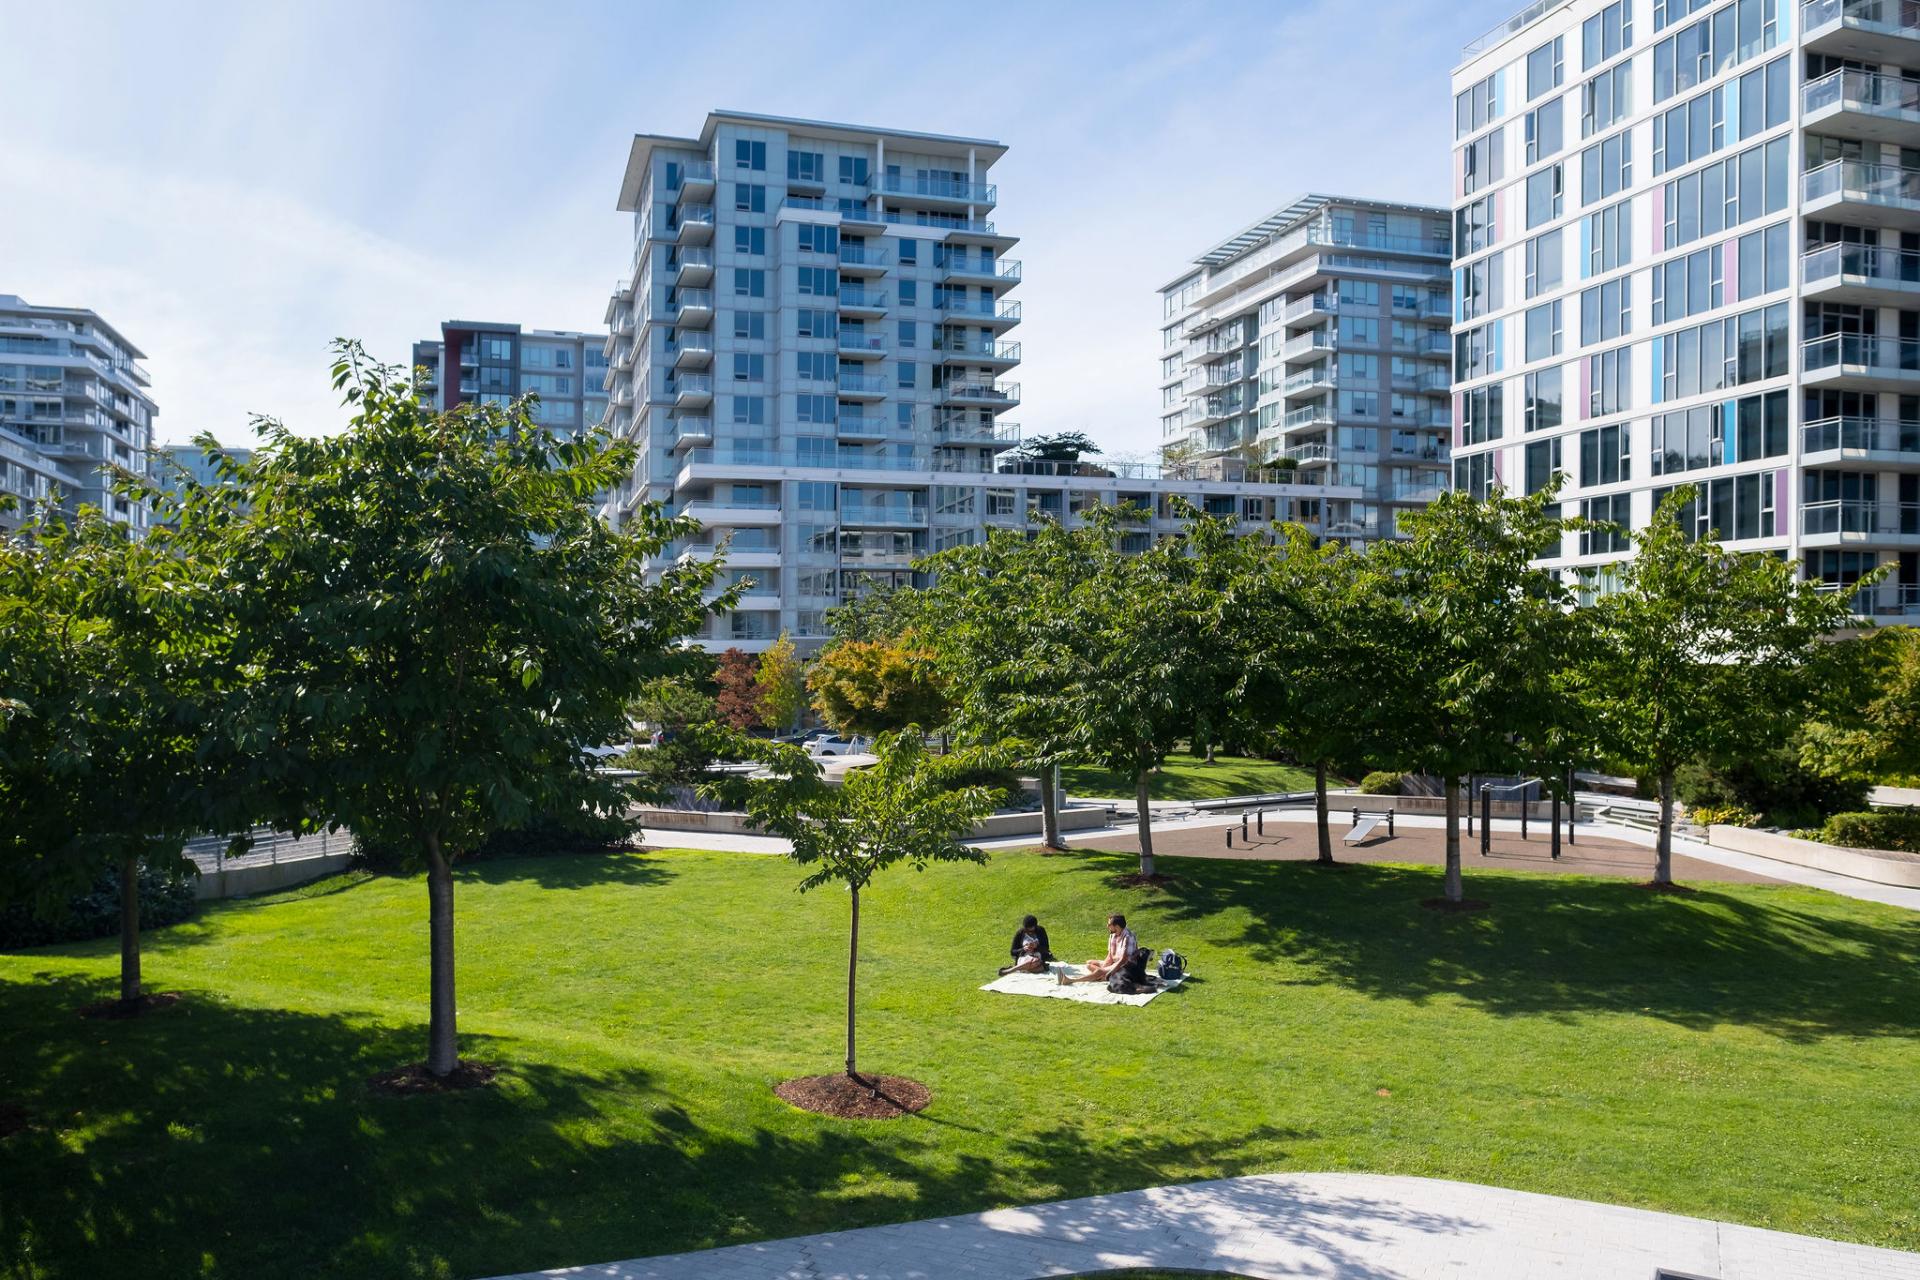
1330	1226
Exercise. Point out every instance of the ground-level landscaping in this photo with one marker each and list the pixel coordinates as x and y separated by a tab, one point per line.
1190	777
1745	1052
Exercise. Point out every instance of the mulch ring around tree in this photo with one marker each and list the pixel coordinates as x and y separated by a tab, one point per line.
13	1118
414	1079
855	1097
1450	907
117	1010
1652	886
1134	880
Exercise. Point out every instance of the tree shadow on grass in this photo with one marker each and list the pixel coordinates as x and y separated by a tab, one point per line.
571	870
1560	945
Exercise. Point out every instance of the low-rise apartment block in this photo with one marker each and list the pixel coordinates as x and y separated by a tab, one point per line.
481	362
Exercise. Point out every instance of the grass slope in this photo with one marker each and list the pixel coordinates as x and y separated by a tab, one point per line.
1190	777
1746	1053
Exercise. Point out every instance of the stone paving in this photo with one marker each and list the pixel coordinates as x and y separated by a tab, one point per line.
1330	1226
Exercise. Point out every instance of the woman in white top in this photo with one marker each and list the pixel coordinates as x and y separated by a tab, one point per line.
1120	948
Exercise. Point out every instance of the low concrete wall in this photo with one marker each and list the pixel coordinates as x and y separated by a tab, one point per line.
995	826
1882	866
242	882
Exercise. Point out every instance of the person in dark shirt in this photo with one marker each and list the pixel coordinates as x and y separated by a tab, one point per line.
1030	951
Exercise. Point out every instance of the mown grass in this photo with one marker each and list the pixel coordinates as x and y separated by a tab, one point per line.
1746	1053
1190	777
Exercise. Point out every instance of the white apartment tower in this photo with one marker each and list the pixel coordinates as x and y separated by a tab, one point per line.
810	350
73	402
1687	251
1317	338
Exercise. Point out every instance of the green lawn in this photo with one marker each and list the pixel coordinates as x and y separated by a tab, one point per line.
1189	777
1747	1053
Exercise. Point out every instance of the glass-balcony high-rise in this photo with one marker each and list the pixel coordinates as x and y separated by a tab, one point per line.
479	361
1317	339
1687	246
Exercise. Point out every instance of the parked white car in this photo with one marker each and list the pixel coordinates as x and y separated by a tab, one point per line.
832	746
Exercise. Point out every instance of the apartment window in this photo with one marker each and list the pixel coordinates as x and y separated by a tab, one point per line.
1609	239
750	411
903	375
750	155
1546	66
1359	293
1738	189
1606	33
1765	261
1359	404
813	237
751	240
1473	226
1724	353
910	292
1606	98
1357	366
817	366
1606	311
811	322
749	324
1545	190
1479	286
806	166
1543	331
1693	54
1482	413
1476	352
853	171
1545	131
816	408
1608	389
1544	258
1689	284
1362	331
1606	168
1541	405
1542	464
909	333
1476	107
1614	517
749	366
1482	161
817	282
1605	455
1474	474
909	251
999	502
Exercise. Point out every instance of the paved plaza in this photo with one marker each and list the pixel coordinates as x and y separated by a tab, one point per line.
1329	1226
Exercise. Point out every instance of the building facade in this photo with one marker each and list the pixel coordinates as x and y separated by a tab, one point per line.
475	362
810	351
1687	242
73	402
1317	338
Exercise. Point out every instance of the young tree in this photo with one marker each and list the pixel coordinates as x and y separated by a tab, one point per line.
1875	735
1477	634
905	808
114	663
1701	652
1062	446
736	683
781	679
878	686
441	623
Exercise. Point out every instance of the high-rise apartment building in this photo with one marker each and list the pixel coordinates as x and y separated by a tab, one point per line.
809	350
479	362
1687	251
73	402
1318	337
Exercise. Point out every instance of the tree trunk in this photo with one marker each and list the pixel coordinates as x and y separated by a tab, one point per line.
129	927
1663	860
1454	891
1050	808
1141	782
1320	811
443	1045
853	961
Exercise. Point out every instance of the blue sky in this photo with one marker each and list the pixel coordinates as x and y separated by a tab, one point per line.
234	185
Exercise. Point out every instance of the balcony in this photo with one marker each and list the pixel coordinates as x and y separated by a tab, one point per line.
855	345
1862	30
1313	415
1825	524
696	181
856	259
864	302
881	515
691	391
1879	195
962	430
691	266
1861	362
981	391
1426	382
1865	275
1424	310
1863	105
937	191
1431	346
1308	346
727	512
692	351
1003	274
981	311
861	386
693	224
726	457
853	426
1315	308
690	308
1884	443
1309	455
688	433
977	351
1891	601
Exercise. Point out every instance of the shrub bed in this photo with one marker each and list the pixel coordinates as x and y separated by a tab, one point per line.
1382	783
1896	829
96	913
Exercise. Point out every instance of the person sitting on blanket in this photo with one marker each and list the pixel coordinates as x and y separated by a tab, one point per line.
1030	951
1120	948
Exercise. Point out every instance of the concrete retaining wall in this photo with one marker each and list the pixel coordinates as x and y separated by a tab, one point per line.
1075	818
1882	866
241	882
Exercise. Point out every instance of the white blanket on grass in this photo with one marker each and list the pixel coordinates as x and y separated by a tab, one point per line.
1048	984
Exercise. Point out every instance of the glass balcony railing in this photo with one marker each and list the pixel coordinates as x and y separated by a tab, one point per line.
747	456
1867	183
1862	91
979	348
851	341
1860	517
982	389
1860	435
861	256
1861	261
869	299
863	383
695	172
1005	269
937	188
982	308
1861	351
1896	17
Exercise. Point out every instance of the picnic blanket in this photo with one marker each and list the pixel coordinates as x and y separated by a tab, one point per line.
1048	984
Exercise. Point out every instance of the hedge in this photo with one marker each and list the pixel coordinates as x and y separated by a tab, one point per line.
1897	829
1382	783
96	913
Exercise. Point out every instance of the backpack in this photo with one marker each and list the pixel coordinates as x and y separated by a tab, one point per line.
1172	965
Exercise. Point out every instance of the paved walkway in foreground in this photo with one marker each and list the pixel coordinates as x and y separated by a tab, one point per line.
1331	1226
